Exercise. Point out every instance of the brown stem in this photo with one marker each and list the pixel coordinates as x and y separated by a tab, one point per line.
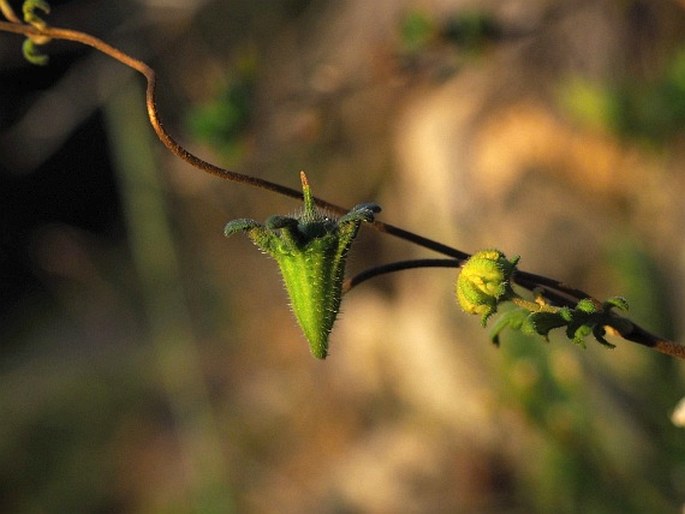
554	289
8	12
397	266
195	161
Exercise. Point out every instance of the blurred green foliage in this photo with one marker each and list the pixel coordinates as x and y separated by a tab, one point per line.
223	121
649	110
469	31
584	452
589	451
416	31
638	274
57	435
472	30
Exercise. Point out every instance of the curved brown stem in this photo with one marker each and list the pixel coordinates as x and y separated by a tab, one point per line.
195	161
397	266
8	12
557	291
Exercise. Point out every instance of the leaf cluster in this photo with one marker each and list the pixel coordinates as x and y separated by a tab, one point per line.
586	318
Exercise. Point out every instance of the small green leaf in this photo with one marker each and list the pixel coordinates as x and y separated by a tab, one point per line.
531	318
513	319
544	322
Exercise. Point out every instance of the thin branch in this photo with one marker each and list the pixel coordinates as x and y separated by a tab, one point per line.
639	335
554	289
195	161
8	12
398	266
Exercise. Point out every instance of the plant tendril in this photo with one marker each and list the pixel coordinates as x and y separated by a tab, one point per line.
398	266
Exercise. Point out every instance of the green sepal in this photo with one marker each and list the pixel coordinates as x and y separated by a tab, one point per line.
311	250
239	225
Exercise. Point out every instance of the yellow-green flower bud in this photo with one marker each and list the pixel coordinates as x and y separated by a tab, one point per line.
484	282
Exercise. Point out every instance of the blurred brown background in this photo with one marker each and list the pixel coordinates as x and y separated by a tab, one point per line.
149	365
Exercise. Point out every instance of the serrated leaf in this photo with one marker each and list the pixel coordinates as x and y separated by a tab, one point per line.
544	322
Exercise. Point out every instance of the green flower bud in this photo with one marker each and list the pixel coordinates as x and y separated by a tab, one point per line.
484	282
311	250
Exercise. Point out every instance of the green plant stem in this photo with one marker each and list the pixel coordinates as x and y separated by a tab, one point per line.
533	306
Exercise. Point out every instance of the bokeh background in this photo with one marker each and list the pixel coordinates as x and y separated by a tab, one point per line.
149	365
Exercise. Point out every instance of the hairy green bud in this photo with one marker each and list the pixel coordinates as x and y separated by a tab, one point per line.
311	250
484	282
